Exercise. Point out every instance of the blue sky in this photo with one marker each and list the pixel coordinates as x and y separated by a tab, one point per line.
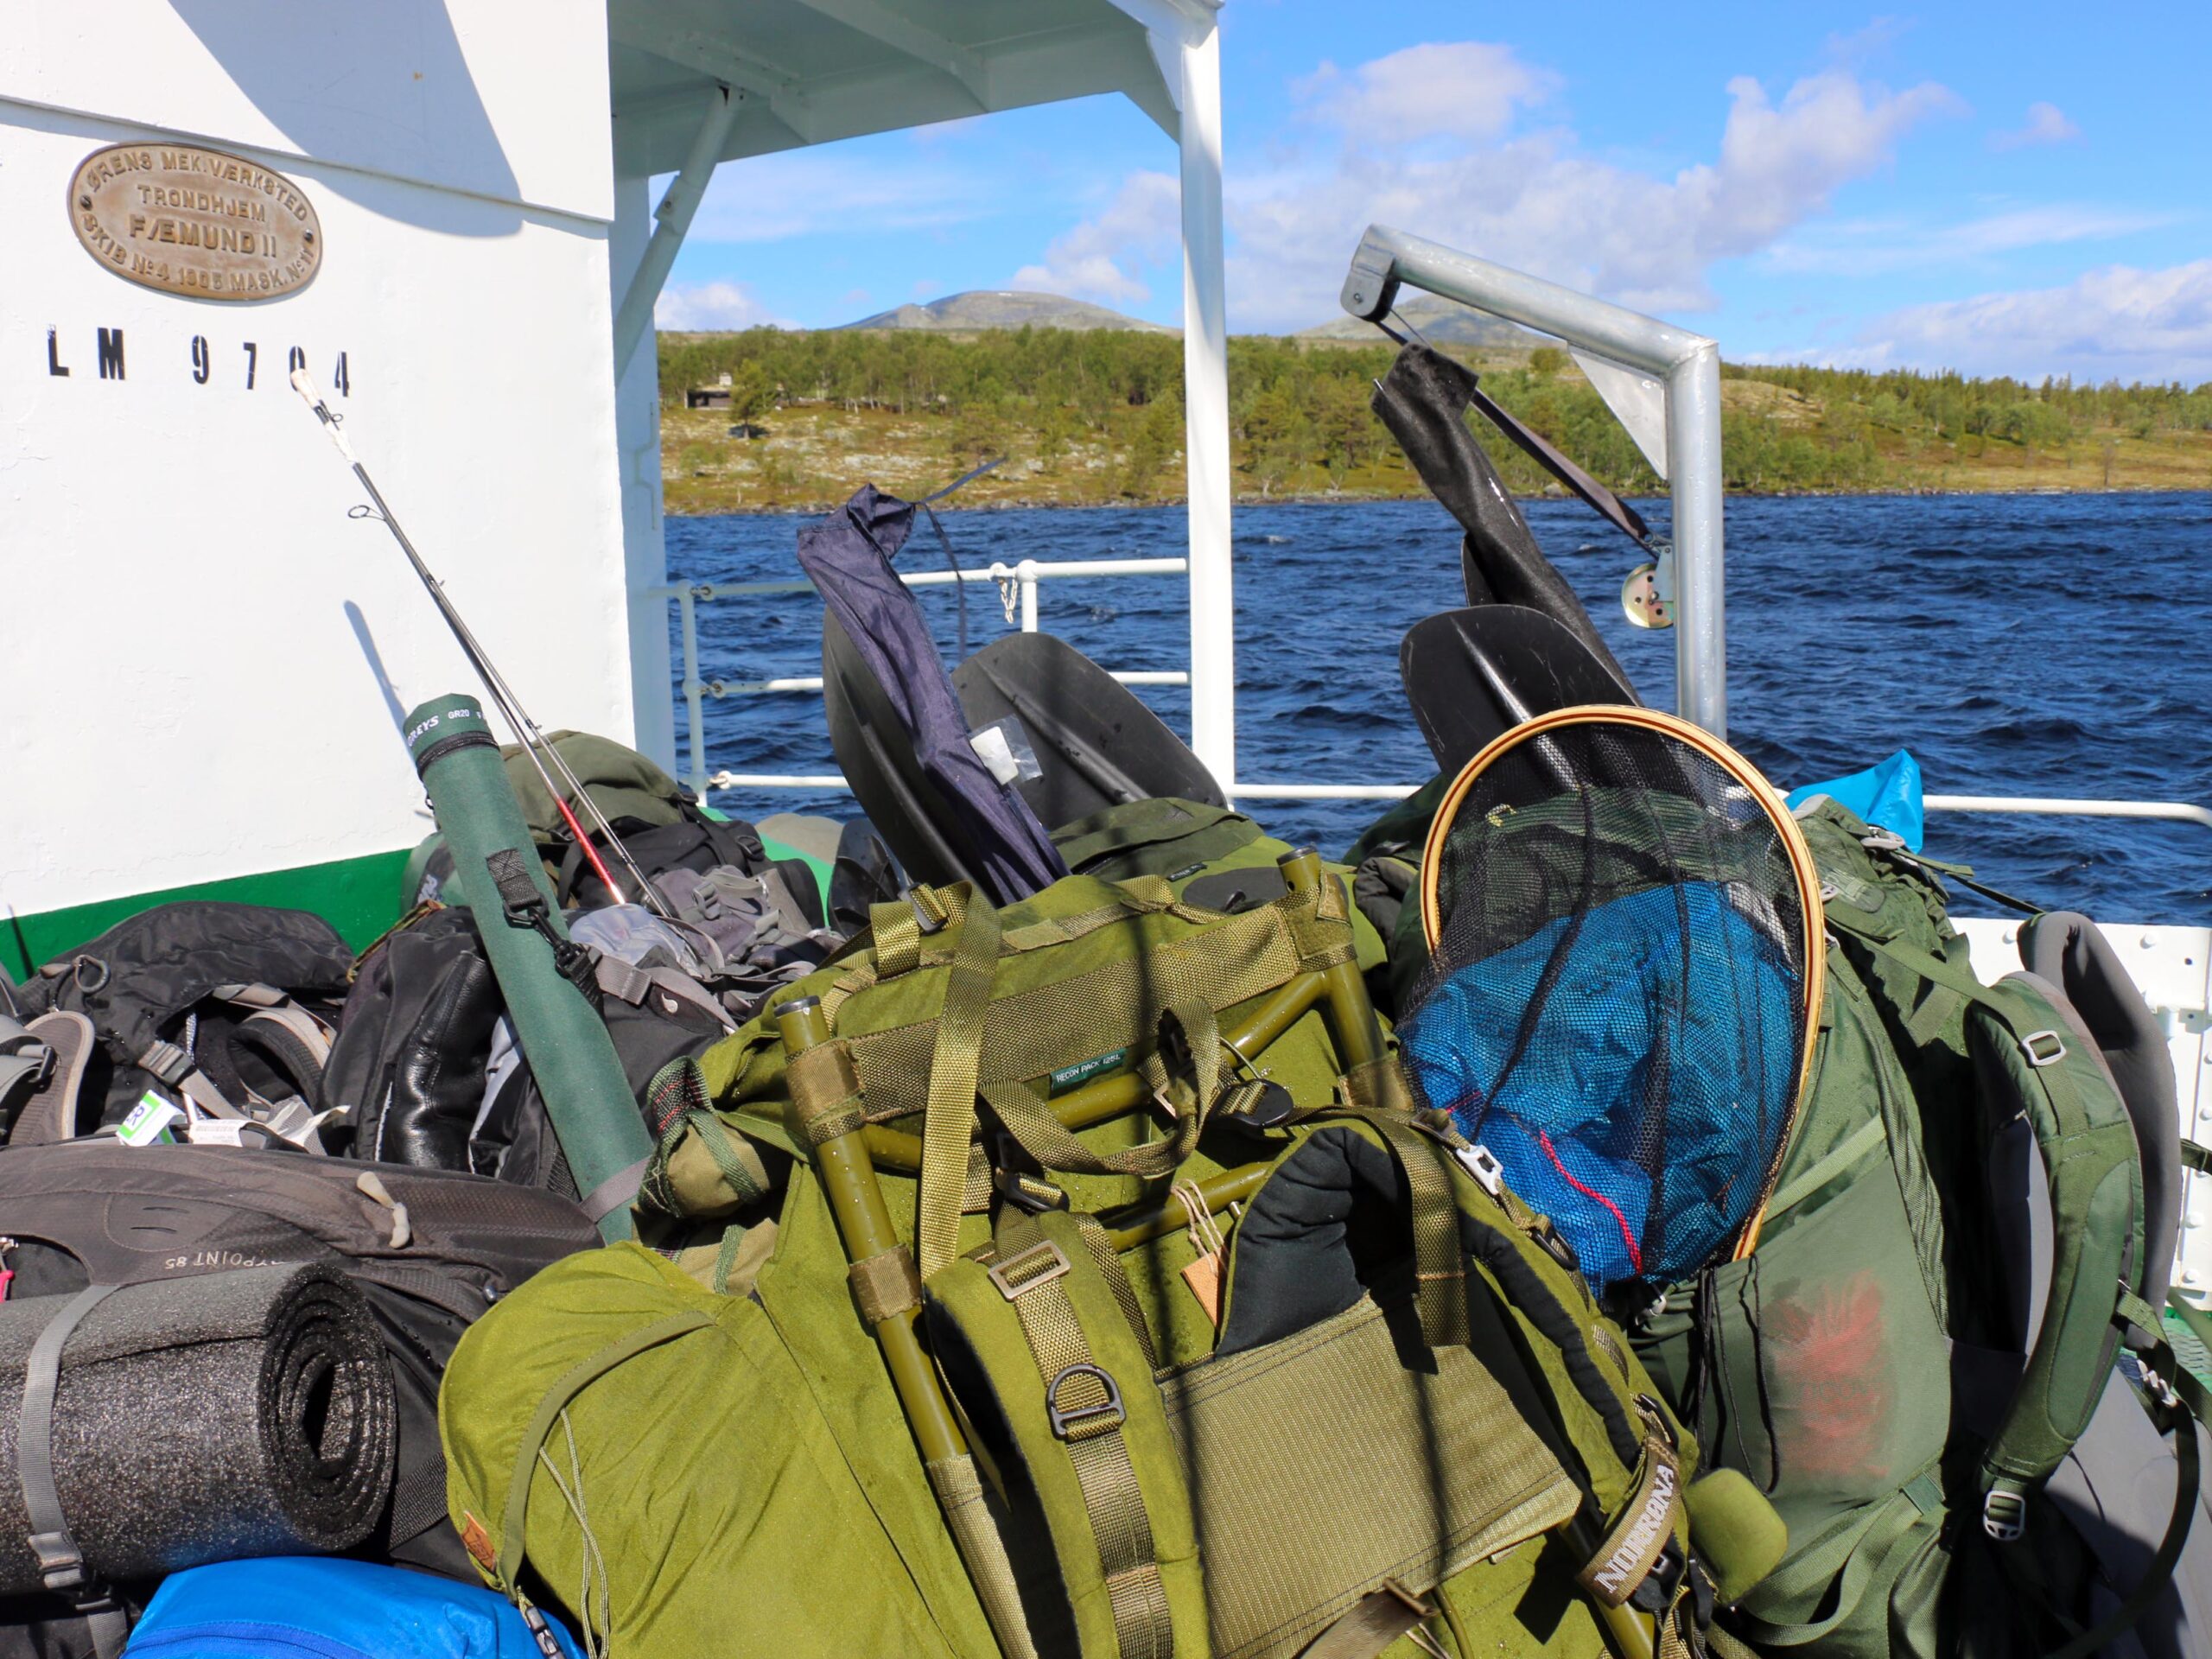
2017	189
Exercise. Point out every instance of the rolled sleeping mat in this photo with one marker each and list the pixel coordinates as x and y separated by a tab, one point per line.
603	1133
198	1419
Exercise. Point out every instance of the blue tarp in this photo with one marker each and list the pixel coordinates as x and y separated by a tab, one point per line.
1643	1111
1886	796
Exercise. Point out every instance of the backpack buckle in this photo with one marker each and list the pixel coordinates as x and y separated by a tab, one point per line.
1023	1271
1032	1194
1068	1420
2003	1515
2044	1048
1481	1162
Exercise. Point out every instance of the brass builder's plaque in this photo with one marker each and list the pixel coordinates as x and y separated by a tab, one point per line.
195	222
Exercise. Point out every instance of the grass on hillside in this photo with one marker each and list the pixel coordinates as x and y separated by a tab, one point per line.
1098	419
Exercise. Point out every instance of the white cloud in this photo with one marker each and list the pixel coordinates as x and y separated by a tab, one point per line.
1099	257
2118	322
1536	202
710	307
2047	125
1463	89
1865	248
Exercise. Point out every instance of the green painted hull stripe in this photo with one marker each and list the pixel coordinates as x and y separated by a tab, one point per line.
359	897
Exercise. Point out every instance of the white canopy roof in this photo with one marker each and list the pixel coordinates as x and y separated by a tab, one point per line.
808	71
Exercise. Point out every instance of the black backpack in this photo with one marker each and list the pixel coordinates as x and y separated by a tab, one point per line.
430	1250
226	1004
407	1067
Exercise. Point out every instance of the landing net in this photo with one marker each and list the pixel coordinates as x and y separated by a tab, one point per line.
1625	930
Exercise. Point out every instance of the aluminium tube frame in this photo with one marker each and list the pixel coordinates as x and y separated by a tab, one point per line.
1689	366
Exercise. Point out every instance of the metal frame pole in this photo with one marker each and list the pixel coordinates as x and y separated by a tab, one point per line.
1689	363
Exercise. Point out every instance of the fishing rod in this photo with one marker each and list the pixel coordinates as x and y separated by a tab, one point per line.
533	740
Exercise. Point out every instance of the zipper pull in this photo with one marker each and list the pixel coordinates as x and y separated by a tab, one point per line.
7	1274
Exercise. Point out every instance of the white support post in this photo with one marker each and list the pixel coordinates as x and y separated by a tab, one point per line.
635	315
637	432
1206	411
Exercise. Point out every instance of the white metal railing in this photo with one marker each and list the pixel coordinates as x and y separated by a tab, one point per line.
1017	585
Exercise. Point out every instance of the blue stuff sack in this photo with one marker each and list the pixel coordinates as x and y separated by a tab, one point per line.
314	1607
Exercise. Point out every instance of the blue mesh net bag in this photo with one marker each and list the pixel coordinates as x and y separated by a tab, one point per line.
1624	925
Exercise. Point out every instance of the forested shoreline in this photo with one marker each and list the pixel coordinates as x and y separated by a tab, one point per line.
1096	418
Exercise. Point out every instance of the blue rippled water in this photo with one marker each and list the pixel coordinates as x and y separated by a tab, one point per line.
2017	645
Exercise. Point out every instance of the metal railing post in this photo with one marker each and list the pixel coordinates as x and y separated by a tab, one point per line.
691	692
1026	574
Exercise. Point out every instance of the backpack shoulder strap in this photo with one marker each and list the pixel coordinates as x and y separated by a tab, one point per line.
2048	1072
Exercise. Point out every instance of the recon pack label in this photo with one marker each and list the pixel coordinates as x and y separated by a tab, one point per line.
1074	1076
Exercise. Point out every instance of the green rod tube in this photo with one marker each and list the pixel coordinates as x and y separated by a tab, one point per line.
595	1116
864	1223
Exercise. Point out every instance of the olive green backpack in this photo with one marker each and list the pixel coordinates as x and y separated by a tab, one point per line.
1088	1286
1868	1367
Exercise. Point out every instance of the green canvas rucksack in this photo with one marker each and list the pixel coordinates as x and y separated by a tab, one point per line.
1867	1366
979	1375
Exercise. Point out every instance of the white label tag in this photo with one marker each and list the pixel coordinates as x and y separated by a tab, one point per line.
994	751
219	1131
148	1121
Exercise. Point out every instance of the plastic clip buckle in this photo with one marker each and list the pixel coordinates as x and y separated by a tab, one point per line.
60	1564
1067	1419
1013	1275
1481	1162
2051	1055
2005	1515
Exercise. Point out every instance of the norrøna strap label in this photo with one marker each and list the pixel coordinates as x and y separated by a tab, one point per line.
1628	1554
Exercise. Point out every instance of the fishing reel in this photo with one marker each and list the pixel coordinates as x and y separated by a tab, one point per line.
1647	595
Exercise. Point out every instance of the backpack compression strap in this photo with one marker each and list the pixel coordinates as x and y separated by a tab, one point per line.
61	1563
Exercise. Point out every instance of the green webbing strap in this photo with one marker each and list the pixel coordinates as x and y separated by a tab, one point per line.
2187	1474
2195	1157
955	1063
1440	1264
1865	1564
1117	1276
513	1523
1038	1130
1853	1148
1085	1405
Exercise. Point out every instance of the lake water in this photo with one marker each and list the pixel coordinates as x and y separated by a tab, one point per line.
2016	644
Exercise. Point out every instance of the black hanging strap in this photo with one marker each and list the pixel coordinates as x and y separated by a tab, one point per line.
959	585
1616	511
526	907
60	1562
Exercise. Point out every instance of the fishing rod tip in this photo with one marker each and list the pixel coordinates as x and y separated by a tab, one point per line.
303	383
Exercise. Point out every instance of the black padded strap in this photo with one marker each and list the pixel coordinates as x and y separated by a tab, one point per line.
1614	511
62	1564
